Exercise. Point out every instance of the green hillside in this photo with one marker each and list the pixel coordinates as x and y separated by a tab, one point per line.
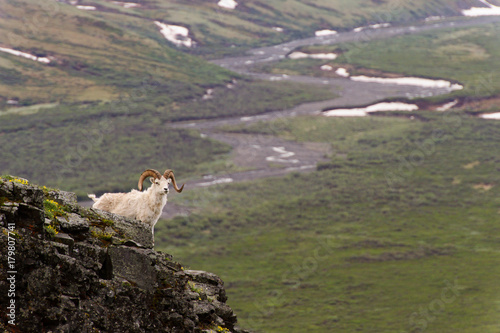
252	23
93	57
112	52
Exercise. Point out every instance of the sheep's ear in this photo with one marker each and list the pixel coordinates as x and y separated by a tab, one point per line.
152	180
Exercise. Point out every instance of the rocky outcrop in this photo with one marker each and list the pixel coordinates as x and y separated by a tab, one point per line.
66	268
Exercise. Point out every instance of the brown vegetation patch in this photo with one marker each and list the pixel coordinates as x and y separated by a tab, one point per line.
471	165
490	104
483	187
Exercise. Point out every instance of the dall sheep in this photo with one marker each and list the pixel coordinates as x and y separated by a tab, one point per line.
145	206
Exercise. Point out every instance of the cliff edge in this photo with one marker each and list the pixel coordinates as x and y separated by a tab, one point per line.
66	268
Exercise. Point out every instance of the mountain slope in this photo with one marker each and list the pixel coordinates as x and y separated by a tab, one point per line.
254	22
103	53
91	56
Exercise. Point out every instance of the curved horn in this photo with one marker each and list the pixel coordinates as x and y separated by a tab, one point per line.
148	173
170	174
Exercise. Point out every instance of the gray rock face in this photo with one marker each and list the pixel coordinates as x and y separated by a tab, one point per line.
73	223
21	204
128	228
134	265
63	197
83	270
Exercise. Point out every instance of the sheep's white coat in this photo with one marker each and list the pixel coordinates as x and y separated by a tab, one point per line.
145	206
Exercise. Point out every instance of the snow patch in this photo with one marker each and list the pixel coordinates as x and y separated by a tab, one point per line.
86	7
434	18
25	55
278	29
489	10
127	4
228	4
342	72
282	158
447	106
209	94
326	32
217	181
175	34
321	56
495	116
379	25
373	26
410	81
406	81
363	112
326	68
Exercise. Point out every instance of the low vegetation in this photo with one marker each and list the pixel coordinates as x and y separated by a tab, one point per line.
371	241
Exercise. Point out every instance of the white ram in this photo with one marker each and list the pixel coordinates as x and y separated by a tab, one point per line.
145	206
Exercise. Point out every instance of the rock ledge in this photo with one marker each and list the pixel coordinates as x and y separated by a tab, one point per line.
84	270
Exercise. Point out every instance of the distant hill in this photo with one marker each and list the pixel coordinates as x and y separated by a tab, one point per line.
99	50
93	56
218	27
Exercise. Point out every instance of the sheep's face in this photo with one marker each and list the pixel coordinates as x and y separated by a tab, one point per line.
160	186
